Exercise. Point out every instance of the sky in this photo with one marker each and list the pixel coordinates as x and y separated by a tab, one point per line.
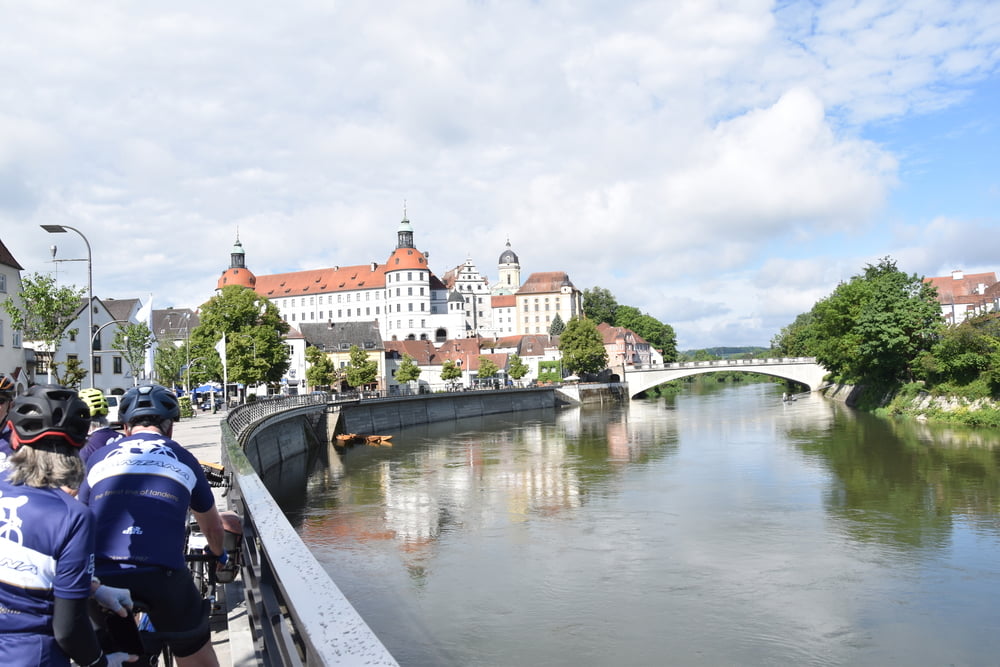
718	165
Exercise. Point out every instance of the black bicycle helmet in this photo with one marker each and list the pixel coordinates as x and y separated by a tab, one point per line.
148	400
49	410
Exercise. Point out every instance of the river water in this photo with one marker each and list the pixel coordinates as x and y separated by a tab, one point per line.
718	527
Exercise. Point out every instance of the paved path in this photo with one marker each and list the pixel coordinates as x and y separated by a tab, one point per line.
202	436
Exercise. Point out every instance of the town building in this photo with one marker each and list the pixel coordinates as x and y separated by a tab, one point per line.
109	370
964	295
542	297
627	348
16	361
337	338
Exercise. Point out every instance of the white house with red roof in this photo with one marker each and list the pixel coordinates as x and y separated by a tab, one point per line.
963	295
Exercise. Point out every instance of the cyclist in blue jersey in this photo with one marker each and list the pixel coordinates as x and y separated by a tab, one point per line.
6	396
101	432
47	539
140	489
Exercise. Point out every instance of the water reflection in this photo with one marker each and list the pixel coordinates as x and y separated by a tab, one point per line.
720	526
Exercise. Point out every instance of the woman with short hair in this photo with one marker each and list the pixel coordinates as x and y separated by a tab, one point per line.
47	538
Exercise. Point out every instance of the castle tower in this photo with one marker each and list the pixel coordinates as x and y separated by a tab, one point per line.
237	273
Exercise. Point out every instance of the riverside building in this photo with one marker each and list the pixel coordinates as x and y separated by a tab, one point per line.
409	302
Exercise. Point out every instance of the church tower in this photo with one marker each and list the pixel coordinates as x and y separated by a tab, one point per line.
508	271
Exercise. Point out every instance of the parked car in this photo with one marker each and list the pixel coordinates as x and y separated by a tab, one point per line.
113	402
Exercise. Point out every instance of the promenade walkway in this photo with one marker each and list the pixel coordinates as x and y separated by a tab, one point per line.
231	636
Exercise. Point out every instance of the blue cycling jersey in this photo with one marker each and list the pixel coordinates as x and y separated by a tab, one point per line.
139	489
46	551
102	436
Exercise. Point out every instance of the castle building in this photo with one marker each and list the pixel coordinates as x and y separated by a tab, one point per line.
403	295
474	289
409	302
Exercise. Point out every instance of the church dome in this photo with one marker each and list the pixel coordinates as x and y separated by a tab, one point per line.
508	256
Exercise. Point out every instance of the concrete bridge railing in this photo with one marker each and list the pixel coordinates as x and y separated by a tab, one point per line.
803	370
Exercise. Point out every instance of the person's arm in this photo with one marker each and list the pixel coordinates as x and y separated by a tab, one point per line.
210	524
74	634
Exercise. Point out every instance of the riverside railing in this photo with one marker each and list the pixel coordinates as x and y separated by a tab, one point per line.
298	616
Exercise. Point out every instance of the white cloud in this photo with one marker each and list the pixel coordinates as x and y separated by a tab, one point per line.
683	155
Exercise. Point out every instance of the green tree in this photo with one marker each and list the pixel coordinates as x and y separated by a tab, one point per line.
134	340
599	305
797	339
516	368
42	314
582	347
487	369
961	354
557	326
361	370
450	371
321	372
168	364
876	326
73	375
408	370
255	348
549	371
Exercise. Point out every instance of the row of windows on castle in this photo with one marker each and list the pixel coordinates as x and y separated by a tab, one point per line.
346	298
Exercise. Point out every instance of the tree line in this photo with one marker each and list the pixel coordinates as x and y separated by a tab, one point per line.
883	330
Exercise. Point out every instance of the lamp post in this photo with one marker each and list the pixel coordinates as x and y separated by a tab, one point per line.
61	229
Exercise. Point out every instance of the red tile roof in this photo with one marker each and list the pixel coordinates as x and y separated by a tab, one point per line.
545	282
957	290
317	281
422	352
504	301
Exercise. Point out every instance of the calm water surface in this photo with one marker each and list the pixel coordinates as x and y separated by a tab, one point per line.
720	527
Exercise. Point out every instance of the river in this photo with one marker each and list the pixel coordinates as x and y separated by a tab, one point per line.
718	527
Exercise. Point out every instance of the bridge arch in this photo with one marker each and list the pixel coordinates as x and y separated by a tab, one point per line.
803	370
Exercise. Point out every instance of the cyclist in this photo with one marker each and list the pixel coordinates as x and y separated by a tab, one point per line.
6	396
47	539
140	489
101	432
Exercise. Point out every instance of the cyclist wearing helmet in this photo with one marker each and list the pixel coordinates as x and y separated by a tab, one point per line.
47	538
6	396
101	432
140	489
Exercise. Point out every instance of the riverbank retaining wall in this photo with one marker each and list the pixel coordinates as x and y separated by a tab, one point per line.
387	415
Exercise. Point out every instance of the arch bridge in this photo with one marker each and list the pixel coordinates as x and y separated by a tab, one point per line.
803	370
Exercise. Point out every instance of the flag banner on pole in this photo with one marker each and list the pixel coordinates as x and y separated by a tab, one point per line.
220	347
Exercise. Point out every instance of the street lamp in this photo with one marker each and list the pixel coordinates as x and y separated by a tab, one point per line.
61	229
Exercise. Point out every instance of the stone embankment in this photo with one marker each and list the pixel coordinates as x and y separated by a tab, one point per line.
919	406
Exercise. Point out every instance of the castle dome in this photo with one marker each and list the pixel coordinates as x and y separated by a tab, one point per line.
402	259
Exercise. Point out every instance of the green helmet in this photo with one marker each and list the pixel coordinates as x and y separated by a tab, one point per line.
95	400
